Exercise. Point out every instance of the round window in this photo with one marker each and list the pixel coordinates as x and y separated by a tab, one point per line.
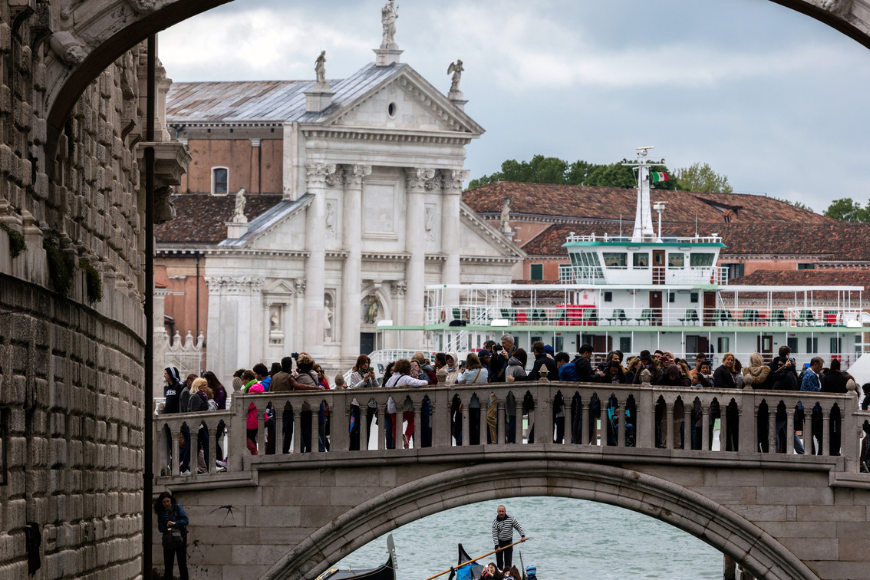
391	109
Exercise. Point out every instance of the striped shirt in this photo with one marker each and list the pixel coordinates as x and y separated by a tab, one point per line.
503	530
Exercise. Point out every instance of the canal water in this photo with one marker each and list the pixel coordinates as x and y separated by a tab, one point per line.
570	539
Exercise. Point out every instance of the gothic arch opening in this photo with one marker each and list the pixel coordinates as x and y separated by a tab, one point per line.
684	509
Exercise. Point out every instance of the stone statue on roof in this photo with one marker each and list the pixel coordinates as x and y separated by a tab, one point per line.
506	215
389	14
239	213
456	70
320	68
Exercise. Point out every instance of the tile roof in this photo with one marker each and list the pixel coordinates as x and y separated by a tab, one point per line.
834	241
607	203
277	101
201	218
269	218
823	277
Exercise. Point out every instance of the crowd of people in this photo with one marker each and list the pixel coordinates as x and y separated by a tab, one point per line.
503	362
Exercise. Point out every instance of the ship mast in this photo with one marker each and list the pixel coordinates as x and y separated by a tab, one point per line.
643	225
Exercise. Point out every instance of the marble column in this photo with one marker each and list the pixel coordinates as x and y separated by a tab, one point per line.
315	265
352	275
419	180
450	226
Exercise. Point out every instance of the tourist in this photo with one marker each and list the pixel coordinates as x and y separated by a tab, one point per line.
220	392
583	364
503	535
646	363
723	378
707	372
756	374
737	373
261	373
388	372
284	382
248	380
172	390
427	368
417	372
306	374
498	364
542	360
269	428
810	379
339	381
321	377
613	374
184	396
440	361
516	369
401	376
198	400
252	423
835	380
631	371
512	574
363	377
485	356
567	370
323	427
474	373
452	367
171	518
490	572
699	358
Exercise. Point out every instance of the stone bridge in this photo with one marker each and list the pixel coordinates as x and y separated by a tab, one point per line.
293	514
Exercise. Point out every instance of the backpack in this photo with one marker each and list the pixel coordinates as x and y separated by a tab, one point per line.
212	405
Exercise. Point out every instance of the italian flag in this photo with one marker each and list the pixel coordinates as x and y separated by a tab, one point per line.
657	177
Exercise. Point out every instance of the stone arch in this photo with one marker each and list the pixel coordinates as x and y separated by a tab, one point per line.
105	29
687	510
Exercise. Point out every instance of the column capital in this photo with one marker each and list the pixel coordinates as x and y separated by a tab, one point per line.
317	174
354	175
453	179
419	179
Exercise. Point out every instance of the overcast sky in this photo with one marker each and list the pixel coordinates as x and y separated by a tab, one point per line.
771	98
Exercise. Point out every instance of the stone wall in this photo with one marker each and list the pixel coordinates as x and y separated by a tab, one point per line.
71	374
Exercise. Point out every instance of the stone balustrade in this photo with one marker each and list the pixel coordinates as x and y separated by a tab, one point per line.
542	416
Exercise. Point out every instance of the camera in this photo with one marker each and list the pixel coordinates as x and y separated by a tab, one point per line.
295	356
497	348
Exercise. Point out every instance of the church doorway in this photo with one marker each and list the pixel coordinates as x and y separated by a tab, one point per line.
366	342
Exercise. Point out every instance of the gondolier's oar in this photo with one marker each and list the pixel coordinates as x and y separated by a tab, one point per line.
476	559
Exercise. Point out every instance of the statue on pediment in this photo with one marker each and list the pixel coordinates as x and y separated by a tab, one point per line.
506	215
239	213
320	68
389	14
456	69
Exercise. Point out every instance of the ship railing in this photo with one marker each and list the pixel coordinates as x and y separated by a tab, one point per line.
707	425
606	238
666	315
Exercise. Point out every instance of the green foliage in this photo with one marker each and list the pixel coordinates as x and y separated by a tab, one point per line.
93	281
16	241
700	178
553	170
847	210
796	204
61	269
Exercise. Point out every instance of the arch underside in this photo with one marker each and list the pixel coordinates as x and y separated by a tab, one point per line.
687	510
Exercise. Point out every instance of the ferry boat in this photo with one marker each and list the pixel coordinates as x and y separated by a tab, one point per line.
645	291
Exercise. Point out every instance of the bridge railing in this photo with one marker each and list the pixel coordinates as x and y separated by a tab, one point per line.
601	418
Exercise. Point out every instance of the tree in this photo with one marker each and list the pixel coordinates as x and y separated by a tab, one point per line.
554	170
847	210
702	179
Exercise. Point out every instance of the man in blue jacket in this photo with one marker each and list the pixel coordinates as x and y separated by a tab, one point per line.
567	369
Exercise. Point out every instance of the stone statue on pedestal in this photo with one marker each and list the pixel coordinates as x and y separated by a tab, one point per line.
239	213
506	215
456	69
320	68
389	14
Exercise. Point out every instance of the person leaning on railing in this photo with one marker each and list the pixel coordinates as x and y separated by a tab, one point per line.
363	377
401	376
284	381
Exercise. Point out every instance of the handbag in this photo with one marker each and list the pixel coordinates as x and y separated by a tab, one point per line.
172	537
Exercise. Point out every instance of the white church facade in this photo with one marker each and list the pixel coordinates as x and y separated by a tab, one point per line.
368	214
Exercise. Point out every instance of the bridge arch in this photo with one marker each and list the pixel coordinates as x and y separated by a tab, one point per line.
102	30
685	509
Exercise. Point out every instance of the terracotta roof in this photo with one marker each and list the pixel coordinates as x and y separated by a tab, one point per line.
607	203
832	277
201	218
833	240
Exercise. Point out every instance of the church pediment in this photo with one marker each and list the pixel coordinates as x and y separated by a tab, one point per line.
479	239
405	102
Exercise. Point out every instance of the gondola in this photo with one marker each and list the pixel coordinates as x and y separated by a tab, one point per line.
385	572
469	571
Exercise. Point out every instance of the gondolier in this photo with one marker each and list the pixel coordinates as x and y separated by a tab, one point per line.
503	535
